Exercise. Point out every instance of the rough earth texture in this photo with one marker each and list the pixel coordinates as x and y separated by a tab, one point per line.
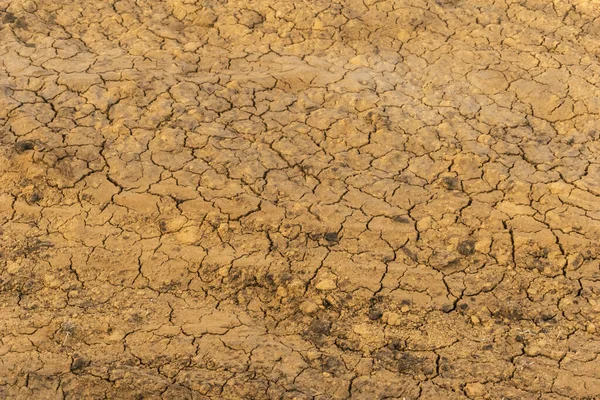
305	199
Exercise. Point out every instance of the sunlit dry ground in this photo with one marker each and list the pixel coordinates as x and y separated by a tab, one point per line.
299	199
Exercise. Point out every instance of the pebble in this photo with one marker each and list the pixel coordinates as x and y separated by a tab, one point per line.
309	307
326	284
24	146
473	390
30	6
591	328
475	320
375	314
391	318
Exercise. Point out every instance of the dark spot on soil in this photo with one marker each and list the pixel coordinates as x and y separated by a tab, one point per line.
348	345
410	363
375	314
69	327
21	24
286	277
463	306
333	364
320	327
78	364
37	245
545	316
451	183
519	339
168	287
447	308
510	313
466	248
34	198
397	344
376	299
410	254
401	219
236	275
488	347
23	146
331	237
9	18
270	280
163	226
136	318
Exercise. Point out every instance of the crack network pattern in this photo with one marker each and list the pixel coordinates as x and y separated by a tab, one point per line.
348	199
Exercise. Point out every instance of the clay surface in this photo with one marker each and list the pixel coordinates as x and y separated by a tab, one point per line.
311	199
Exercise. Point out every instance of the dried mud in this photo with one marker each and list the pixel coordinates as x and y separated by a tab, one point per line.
299	199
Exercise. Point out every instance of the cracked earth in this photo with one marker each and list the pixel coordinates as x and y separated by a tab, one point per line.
310	199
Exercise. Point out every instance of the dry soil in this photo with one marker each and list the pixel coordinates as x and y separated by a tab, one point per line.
307	199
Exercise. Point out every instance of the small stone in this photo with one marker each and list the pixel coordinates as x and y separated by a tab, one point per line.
326	284
30	6
591	328
35	198
375	314
475	320
331	237
391	318
23	146
282	292
309	307
473	390
532	350
405	309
